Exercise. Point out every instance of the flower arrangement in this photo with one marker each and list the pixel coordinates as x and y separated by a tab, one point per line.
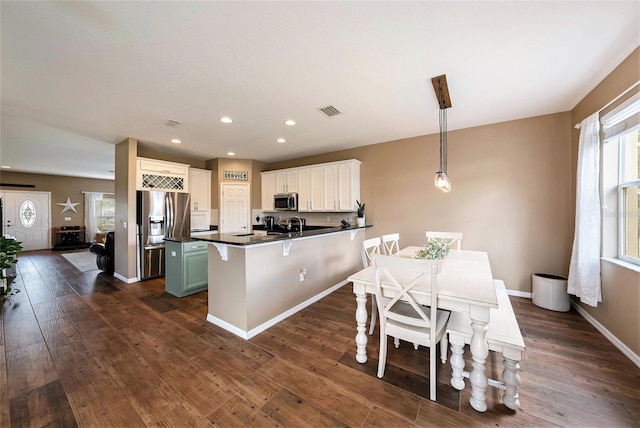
434	250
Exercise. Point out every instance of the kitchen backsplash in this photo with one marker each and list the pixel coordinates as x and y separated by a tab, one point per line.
315	219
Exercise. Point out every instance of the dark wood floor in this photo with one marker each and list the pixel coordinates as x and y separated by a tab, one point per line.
84	349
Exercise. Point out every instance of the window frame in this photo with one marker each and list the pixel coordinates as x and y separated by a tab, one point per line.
623	185
615	126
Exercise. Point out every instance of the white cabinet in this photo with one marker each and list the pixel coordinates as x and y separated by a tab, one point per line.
310	189
329	187
153	174
273	182
200	190
268	187
341	186
286	181
315	189
348	186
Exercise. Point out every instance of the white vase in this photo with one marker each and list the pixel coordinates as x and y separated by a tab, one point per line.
360	221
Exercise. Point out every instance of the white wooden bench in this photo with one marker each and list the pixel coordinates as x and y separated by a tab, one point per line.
503	336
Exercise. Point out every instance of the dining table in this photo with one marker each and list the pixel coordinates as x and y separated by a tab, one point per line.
464	284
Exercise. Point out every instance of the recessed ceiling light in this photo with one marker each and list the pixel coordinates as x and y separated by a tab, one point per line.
281	140
5	167
289	122
176	141
230	154
226	119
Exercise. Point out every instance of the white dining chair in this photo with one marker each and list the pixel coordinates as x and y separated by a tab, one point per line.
449	237
391	243
369	248
401	316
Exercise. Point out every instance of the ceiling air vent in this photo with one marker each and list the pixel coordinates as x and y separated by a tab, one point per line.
329	110
170	122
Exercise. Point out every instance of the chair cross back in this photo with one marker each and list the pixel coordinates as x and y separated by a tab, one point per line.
403	291
448	237
398	319
390	243
369	248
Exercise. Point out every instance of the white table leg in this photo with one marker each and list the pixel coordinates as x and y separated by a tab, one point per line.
511	378
361	320
479	353
457	362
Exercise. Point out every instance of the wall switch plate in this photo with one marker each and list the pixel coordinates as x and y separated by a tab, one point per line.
173	254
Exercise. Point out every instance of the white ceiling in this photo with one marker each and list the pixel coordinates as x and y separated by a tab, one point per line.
79	77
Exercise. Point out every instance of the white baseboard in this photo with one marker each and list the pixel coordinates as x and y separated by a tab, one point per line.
125	279
635	359
517	293
275	320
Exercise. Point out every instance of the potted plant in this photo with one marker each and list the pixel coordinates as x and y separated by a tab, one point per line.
360	211
9	249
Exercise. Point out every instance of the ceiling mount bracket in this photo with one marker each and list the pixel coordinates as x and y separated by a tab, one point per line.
442	91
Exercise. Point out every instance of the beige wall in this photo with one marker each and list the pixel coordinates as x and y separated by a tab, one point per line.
60	188
619	311
510	197
125	237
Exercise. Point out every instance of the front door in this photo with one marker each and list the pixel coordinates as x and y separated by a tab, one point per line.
26	217
234	215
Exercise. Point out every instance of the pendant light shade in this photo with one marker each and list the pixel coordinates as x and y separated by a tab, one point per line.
442	181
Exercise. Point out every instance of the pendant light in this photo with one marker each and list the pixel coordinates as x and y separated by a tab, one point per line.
441	89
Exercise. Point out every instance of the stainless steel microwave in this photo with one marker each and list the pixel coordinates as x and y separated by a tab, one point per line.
285	202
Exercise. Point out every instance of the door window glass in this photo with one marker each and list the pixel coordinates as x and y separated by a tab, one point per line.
27	214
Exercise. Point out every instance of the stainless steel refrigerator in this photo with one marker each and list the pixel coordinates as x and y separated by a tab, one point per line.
159	216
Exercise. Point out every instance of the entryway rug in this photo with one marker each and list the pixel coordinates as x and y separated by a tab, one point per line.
84	261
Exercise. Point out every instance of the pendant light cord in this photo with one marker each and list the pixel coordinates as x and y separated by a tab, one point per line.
443	140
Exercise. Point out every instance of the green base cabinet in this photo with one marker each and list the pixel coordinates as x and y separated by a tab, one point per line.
186	267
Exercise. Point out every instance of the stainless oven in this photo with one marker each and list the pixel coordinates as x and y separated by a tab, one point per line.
285	202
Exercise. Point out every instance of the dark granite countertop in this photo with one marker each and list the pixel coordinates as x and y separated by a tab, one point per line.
245	239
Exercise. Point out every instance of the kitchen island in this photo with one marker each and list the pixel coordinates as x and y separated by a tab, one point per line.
257	280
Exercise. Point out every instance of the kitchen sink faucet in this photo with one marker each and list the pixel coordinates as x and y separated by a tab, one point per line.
299	222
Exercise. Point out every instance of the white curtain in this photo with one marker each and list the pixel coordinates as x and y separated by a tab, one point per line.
90	219
584	269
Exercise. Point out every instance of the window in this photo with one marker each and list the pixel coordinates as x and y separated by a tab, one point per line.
622	137
99	215
105	214
27	214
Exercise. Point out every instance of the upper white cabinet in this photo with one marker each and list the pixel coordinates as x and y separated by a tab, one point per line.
200	190
273	182
329	187
153	174
348	186
286	181
268	186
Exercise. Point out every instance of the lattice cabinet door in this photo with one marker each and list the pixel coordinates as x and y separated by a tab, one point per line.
154	174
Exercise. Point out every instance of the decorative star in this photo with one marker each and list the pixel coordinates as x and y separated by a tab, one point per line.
68	205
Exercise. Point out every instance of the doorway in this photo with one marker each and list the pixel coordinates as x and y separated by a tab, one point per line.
234	213
26	217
